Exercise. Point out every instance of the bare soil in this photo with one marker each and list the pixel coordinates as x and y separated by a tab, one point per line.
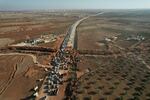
18	76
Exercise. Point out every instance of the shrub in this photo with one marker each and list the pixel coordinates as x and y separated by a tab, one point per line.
119	98
102	98
116	83
148	94
100	87
86	87
92	93
126	88
79	91
136	94
108	93
87	98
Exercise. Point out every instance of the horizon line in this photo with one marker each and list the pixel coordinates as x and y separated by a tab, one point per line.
76	9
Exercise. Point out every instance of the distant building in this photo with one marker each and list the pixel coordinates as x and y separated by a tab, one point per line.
137	38
42	39
108	39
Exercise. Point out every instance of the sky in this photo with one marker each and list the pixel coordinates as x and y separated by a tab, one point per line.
73	4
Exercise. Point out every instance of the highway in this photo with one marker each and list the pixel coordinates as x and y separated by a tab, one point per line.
69	40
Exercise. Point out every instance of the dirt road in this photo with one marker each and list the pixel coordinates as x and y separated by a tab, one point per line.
134	55
22	54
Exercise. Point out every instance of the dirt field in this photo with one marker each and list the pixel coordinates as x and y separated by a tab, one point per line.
17	77
20	25
93	31
113	79
124	76
5	41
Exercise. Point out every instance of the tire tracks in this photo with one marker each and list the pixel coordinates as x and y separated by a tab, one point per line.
10	79
35	61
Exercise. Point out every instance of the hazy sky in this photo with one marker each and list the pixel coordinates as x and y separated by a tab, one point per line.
72	4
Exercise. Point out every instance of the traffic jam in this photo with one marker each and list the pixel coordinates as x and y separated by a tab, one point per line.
61	61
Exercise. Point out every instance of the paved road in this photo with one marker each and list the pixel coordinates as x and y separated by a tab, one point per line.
72	31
